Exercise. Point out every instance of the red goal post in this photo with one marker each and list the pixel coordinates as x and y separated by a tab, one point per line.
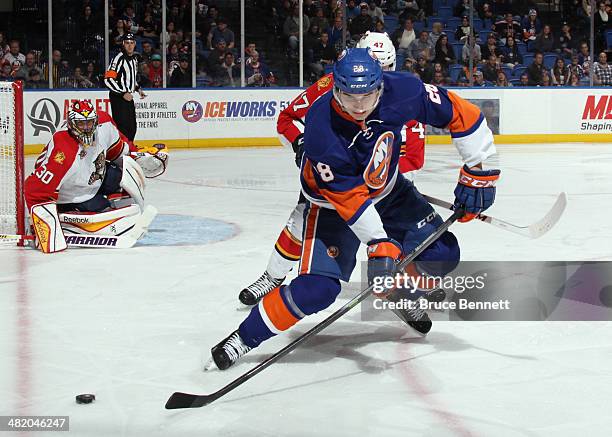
12	208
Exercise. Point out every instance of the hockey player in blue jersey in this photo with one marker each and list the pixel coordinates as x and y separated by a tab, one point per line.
350	179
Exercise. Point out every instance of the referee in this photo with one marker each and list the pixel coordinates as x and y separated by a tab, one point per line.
120	79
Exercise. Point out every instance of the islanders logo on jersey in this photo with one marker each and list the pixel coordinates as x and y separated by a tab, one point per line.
377	170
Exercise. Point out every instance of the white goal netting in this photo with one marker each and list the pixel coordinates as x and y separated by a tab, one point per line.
8	161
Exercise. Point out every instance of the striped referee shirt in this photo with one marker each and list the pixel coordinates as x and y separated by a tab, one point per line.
120	77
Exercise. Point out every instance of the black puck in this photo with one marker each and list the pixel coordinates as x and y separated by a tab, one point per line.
85	399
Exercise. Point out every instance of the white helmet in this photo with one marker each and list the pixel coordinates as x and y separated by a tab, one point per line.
381	46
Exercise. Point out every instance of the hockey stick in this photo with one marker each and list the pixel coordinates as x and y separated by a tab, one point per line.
123	241
534	230
186	400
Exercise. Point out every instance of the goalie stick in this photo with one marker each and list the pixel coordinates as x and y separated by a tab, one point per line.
123	241
186	400
534	230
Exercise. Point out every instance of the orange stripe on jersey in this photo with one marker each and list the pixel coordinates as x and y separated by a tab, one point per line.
277	311
347	203
288	246
465	114
309	238
110	74
115	150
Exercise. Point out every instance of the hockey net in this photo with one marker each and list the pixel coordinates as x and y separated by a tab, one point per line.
12	215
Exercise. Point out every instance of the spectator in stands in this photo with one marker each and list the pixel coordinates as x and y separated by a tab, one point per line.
486	13
326	51
545	41
436	32
531	26
362	22
257	73
129	18
291	28
116	41
171	33
524	80
147	51
181	76
463	30
319	19
490	48
217	56
151	27
502	79
470	47
142	78
408	65
565	42
445	54
14	54
560	74
545	79
602	23
507	27
536	70
221	31
35	80
352	10
510	53
409	9
228	73
584	55
173	54
603	70
403	37
422	47
462	9
439	79
423	69
490	69
5	72
310	8
92	75
89	25
335	32
379	26
4	48
79	80
156	71
375	12
479	79
28	67
574	80
575	68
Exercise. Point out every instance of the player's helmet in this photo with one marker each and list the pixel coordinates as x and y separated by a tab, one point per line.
82	121
381	46
358	82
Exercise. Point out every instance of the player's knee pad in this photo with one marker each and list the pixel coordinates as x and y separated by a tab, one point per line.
441	257
312	293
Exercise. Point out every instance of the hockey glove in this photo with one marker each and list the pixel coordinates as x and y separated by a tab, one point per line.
382	256
475	191
298	148
153	160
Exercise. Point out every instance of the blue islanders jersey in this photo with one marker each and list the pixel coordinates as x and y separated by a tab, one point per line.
352	165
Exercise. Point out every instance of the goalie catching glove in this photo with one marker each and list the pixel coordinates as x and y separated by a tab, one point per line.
475	191
153	160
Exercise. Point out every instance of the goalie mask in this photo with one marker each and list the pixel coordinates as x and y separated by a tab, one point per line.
83	121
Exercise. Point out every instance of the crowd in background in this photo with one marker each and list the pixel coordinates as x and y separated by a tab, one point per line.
511	42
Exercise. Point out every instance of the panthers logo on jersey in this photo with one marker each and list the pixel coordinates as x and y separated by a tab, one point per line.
100	169
377	170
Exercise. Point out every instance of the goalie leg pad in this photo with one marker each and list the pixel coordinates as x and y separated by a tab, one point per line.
133	180
46	223
113	222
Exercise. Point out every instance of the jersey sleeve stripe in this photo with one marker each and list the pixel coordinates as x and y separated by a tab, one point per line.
465	117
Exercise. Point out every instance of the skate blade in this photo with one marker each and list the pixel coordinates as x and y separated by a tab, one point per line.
209	365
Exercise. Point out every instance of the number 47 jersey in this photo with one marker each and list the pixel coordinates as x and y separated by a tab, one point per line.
350	165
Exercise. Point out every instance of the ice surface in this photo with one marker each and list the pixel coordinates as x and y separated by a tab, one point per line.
135	325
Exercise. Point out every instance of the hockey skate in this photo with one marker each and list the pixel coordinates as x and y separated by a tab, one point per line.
227	352
252	294
413	316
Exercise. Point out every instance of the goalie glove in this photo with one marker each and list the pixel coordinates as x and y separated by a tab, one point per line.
153	160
